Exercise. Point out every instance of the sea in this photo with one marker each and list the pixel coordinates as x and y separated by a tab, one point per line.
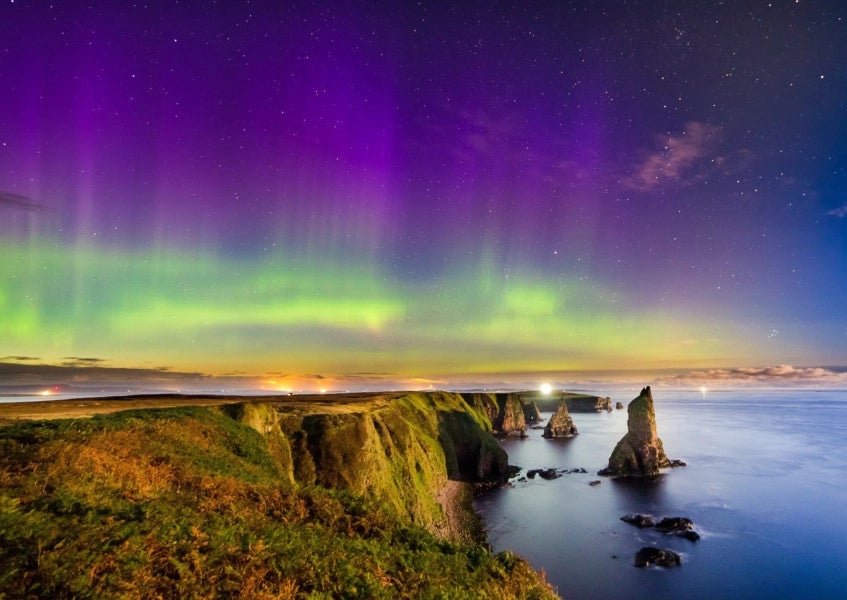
765	485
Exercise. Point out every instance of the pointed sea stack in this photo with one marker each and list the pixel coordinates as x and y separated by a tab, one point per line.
640	452
531	413
560	424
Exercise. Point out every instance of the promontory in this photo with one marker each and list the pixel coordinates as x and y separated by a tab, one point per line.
335	496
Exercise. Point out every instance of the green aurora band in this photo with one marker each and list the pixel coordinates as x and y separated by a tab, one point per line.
195	310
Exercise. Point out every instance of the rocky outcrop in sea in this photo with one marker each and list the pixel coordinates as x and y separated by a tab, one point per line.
678	526
661	557
640	452
560	424
530	412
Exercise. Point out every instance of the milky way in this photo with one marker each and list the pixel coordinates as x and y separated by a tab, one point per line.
337	188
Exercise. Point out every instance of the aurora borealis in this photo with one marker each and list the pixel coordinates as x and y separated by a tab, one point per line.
409	192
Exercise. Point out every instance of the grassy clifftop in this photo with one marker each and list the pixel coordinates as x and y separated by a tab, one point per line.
254	500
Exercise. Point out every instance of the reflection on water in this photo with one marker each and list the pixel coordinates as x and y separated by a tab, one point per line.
764	486
638	492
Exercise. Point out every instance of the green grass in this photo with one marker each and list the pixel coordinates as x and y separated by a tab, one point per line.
197	503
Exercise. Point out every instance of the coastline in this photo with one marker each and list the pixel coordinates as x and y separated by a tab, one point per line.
389	465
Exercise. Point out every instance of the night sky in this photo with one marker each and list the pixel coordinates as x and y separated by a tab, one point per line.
413	193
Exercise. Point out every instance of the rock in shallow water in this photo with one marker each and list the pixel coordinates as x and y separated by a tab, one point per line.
679	526
549	473
661	557
640	521
674	524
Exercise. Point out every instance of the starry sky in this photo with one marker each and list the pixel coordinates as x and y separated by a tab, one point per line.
413	192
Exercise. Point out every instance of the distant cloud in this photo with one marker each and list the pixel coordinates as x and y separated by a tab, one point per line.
20	202
79	361
839	212
677	159
76	369
20	358
775	375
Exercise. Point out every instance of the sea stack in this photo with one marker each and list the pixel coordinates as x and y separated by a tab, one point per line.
640	452
560	424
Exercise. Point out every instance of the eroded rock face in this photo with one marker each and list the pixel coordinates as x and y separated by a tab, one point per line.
511	419
640	452
486	403
560	424
588	403
530	412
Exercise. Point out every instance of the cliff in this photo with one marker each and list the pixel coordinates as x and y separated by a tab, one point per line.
560	424
332	497
576	402
506	411
400	450
640	452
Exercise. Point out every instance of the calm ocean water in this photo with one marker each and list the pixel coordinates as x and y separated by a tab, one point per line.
766	487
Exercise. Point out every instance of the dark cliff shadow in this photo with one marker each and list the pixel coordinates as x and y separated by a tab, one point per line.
470	453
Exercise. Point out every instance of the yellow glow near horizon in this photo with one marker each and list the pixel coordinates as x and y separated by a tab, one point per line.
703	390
324	318
546	388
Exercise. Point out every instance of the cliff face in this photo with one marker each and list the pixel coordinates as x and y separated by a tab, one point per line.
507	412
560	424
576	402
588	403
401	451
483	403
511	419
640	451
531	412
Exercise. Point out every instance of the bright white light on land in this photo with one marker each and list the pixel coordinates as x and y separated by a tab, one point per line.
546	388
703	390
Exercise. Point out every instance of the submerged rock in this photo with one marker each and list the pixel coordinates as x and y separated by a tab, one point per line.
640	452
657	556
618	405
560	424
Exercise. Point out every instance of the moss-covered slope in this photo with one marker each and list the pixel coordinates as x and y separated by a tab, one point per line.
220	502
